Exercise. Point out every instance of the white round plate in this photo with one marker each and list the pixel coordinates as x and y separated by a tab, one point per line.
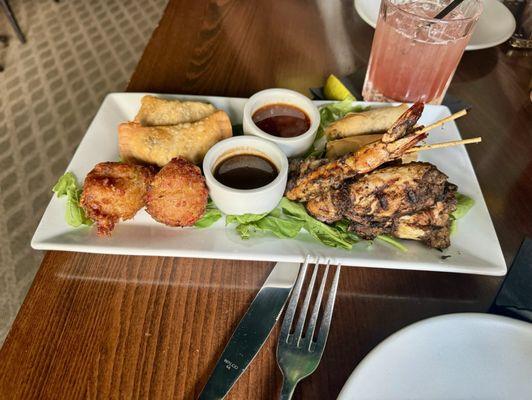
495	26
456	356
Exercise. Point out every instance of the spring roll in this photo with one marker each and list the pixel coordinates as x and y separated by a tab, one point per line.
337	148
155	111
340	147
376	120
159	144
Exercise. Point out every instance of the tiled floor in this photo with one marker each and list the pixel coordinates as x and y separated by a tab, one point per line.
77	51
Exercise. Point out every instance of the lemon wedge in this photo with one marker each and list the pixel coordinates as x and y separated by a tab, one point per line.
334	89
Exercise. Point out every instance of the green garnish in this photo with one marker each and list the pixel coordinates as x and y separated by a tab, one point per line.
244	218
343	226
212	214
289	218
286	221
283	228
67	185
463	205
324	233
394	242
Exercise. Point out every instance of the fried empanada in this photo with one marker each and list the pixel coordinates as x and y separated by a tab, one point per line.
159	144
157	111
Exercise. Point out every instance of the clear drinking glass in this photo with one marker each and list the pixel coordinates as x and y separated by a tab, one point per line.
414	56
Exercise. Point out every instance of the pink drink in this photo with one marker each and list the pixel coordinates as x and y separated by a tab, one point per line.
413	57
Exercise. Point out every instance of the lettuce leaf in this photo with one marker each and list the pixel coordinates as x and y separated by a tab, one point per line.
286	221
212	214
463	205
289	218
243	219
324	233
75	215
327	235
392	241
67	185
343	226
249	225
280	227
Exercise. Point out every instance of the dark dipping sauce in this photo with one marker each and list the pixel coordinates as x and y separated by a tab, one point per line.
281	120
245	171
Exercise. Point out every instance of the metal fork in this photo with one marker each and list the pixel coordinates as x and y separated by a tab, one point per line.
298	355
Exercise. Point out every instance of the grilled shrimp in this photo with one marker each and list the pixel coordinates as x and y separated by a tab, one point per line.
399	138
404	123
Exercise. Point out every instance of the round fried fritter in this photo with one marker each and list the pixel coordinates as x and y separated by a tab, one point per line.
114	191
177	196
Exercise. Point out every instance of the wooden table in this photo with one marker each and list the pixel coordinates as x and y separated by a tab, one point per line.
101	326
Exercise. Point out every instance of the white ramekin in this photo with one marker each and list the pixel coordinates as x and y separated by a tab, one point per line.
294	146
237	201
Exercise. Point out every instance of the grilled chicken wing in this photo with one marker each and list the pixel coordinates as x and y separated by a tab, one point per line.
384	193
431	225
410	201
327	207
393	191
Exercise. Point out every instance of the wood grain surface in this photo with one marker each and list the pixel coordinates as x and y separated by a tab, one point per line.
97	326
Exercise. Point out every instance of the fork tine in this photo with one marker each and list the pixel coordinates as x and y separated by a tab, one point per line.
304	307
294	297
316	309
327	314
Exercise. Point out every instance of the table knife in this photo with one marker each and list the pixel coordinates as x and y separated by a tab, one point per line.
252	330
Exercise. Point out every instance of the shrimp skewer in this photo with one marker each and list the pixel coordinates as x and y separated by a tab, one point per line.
404	123
394	143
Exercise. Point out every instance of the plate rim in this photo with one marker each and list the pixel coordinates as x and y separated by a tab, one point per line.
478	316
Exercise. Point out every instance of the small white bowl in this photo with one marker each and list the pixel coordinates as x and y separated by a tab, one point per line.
294	146
237	201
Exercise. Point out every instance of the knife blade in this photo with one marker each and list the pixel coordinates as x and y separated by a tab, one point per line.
252	330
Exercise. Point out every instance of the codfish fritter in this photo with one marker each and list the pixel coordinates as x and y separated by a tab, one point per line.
114	191
178	195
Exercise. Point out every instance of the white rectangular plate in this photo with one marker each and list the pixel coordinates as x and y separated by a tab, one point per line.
475	248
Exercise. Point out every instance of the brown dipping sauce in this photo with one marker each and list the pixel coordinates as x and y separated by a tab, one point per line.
282	120
245	171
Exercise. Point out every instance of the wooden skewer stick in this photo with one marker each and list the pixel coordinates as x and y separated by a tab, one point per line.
443	121
443	145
